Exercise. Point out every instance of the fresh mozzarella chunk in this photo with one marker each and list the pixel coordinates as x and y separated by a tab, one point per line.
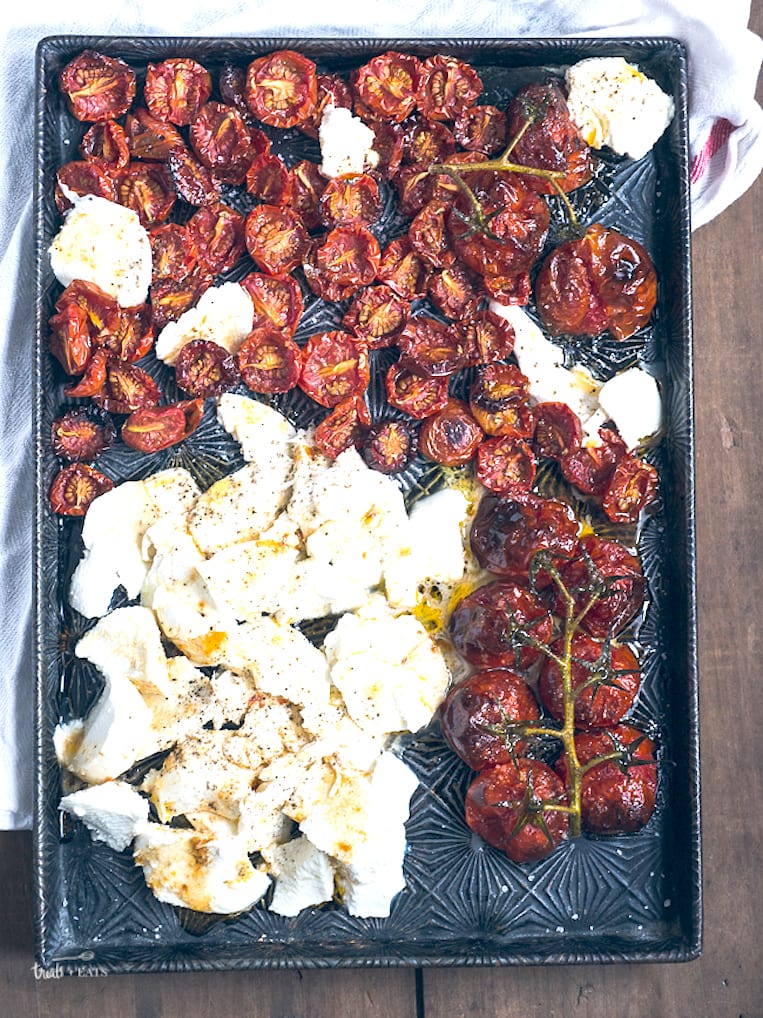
434	549
250	578
113	812
232	693
126	645
265	436
346	143
195	870
265	818
113	537
542	362
281	660
188	705
104	243
614	104
223	315
390	673
304	876
631	400
339	737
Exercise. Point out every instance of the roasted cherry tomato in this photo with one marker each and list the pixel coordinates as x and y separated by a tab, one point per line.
632	487
390	446
148	190
176	89
429	237
193	182
150	138
281	88
402	269
334	367
415	187
508	532
82	433
388	145
345	427
232	86
506	465
558	432
69	338
133	336
151	429
591	467
224	143
387	85
170	297
450	436
304	191
499	626
607	580
605	680
277	301
426	141
218	232
173	252
97	87
352	200
203	368
81	177
481	717
377	315
552	140
454	290
106	142
74	488
447	88
269	361
350	255
618	794
481	129
276	239
512	806
604	281
415	394
511	290
490	336
498	401
429	347
268	179
126	388
94	377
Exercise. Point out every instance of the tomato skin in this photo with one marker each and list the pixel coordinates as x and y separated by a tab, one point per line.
352	200
193	181
334	367
74	488
106	142
429	347
82	433
506	465
632	487
203	369
387	84
173	252
176	89
414	394
83	177
482	703
150	429
97	87
489	626
508	532
558	432
269	361
619	570
603	282
224	143
282	88
450	436
345	427
617	795
605	677
504	802
390	446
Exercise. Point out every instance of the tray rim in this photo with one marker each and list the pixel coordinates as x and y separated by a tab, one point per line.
688	945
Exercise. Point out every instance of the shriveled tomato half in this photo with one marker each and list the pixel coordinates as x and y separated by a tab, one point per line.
448	86
415	394
82	433
352	200
106	142
204	368
454	291
150	138
275	238
388	84
558	432
403	269
331	90
631	489
173	251
150	429
193	182
506	464
277	301
334	367
305	188
176	89
350	254
282	88
490	336
269	361
390	446
498	400
268	179
450	436
430	347
148	190
97	87
82	176
345	427
69	338
224	142
170	297
74	488
218	233
126	388
428	234
377	315
482	129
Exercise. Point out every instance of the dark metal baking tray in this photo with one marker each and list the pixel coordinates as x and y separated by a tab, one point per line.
629	898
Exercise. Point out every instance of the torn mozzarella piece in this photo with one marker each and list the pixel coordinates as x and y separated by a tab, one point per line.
104	243
631	400
265	436
346	143
113	812
113	533
126	645
390	673
613	103
251	578
304	876
222	315
199	871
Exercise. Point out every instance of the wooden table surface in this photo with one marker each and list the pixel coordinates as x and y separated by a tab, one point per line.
727	980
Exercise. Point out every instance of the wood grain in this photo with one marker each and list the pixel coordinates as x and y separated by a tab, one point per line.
727	981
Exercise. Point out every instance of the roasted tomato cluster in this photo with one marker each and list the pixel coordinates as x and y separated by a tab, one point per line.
547	641
173	148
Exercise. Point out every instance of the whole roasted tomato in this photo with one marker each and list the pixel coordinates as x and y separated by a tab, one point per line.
603	282
606	582
512	805
481	717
